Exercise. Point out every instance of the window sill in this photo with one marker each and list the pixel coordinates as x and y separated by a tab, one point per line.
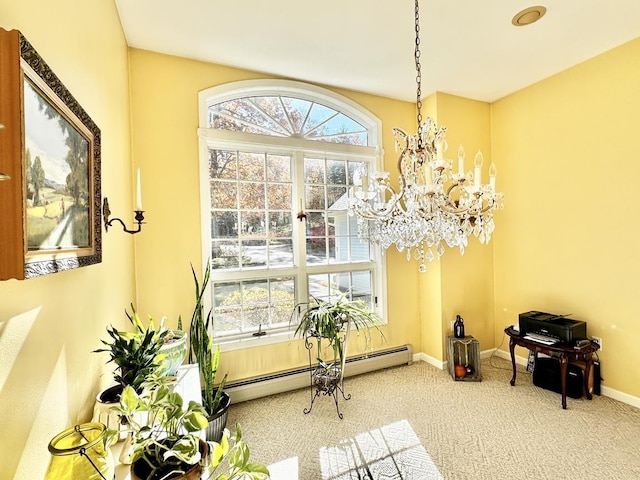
227	345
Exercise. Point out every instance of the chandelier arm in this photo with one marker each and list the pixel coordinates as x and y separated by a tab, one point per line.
448	208
367	212
458	184
401	180
490	206
384	213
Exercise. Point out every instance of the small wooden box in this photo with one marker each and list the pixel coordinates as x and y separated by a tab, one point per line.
466	352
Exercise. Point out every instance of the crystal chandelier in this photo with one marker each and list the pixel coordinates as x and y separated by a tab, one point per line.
433	206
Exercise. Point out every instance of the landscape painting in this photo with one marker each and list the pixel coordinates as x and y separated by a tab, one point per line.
50	216
58	176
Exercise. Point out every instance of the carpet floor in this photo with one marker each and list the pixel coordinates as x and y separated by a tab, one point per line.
415	422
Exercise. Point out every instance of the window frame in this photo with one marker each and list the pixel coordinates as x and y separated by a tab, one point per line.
297	148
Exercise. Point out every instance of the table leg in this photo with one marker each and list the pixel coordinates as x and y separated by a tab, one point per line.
563	379
587	371
512	347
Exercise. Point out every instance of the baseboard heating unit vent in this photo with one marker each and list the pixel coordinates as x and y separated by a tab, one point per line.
288	380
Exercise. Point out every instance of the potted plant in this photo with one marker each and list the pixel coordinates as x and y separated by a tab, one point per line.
327	323
215	400
137	354
167	444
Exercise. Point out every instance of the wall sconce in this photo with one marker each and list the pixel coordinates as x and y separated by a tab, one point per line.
139	217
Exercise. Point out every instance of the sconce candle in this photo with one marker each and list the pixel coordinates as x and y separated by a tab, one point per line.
138	193
139	213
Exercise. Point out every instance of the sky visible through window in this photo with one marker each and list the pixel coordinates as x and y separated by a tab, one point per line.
283	116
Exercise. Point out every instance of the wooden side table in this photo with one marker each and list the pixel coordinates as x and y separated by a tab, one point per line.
562	351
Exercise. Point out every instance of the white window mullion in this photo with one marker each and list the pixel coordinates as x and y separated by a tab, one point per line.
300	237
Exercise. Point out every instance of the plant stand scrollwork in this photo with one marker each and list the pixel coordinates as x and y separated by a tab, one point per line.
327	378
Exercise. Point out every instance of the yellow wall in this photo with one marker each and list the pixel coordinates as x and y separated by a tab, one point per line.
49	325
467	280
430	282
457	284
568	155
567	161
164	92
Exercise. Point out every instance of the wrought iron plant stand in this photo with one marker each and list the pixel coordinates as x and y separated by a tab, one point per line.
327	378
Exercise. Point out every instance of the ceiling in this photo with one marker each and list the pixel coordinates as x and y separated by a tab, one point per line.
469	47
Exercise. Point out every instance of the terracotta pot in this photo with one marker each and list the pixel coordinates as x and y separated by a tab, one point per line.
460	371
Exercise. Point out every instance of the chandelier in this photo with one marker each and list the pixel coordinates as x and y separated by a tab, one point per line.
433	205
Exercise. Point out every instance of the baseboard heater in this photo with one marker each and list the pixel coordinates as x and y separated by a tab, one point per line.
288	380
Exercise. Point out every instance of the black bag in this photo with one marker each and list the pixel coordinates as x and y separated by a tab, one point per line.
546	374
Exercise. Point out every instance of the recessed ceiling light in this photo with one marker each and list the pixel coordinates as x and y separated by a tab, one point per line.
528	16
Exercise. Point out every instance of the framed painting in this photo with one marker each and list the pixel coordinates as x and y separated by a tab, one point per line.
50	157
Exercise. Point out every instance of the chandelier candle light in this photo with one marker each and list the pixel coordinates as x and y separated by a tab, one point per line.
434	206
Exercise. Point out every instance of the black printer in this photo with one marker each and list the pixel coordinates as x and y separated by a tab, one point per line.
551	325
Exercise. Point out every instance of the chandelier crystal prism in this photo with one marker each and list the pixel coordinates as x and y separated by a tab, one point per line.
434	206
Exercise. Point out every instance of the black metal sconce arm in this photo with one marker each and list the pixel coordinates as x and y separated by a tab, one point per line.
106	212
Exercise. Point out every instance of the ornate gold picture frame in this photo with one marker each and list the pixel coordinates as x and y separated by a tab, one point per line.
50	150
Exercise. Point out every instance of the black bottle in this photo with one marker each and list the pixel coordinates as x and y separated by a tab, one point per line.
458	327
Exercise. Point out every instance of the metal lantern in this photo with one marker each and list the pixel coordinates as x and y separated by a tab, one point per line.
81	452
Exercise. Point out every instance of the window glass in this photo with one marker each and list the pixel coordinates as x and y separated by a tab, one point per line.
247	306
249	208
286	117
279	226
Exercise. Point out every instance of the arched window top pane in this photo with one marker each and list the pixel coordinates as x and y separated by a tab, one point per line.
286	116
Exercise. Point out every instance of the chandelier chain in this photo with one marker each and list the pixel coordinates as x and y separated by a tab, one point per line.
418	67
435	205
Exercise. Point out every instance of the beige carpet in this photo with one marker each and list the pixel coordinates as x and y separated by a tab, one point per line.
415	422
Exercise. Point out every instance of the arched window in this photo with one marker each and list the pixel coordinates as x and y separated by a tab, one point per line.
285	116
277	162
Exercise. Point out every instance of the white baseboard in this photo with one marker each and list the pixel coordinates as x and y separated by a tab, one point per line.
606	391
284	381
417	357
507	356
620	396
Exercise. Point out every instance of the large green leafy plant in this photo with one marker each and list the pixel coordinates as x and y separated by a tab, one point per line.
166	440
136	353
326	320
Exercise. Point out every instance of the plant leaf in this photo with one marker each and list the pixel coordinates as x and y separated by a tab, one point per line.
129	399
194	421
185	449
